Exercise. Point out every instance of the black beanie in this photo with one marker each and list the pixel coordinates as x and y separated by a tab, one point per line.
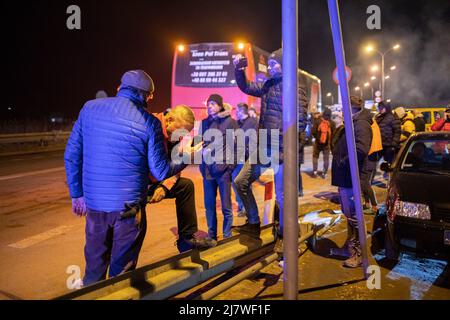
217	99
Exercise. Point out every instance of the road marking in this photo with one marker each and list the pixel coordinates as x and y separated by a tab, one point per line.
32	173
30	241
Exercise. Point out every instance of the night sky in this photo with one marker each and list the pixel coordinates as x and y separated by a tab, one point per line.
52	70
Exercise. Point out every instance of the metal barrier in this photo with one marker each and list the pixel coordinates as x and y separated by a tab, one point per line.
34	137
25	143
177	274
180	273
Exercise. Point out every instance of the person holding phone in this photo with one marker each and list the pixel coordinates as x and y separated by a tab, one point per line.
271	119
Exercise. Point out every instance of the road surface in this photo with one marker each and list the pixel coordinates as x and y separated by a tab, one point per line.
40	239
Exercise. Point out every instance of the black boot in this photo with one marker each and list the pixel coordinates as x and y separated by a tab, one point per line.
253	230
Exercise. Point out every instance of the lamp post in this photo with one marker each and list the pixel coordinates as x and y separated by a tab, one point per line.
382	54
329	94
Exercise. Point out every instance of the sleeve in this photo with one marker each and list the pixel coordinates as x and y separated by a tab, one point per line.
73	160
250	88
438	125
396	132
158	160
408	128
363	140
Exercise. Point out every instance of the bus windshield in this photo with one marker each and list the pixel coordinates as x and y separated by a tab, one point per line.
206	64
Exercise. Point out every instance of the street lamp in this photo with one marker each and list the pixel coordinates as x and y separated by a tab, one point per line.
329	94
382	54
393	68
387	77
374	68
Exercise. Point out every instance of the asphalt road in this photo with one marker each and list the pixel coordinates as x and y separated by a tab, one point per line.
40	239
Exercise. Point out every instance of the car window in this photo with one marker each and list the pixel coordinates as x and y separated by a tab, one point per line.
423	155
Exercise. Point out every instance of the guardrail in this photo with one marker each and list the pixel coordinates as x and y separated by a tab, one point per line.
34	137
177	274
24	143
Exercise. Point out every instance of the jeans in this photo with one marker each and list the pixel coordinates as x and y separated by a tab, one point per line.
210	186
233	176
249	174
112	242
184	194
317	149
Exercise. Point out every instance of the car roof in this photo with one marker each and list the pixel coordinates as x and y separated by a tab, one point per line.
431	135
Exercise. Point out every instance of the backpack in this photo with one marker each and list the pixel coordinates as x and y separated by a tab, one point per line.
324	131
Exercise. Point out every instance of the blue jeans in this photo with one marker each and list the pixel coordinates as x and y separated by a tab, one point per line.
112	243
249	174
233	177
210	186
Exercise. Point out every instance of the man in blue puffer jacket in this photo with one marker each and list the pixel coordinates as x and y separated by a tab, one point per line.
114	145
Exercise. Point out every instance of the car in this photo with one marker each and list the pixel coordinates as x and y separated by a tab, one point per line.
417	211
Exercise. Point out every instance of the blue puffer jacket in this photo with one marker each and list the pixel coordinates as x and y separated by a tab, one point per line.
114	145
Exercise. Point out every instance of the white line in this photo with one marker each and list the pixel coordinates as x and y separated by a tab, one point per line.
32	173
30	241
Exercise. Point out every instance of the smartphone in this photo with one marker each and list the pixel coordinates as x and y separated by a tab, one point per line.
243	63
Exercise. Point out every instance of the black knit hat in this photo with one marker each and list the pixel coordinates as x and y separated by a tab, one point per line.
217	99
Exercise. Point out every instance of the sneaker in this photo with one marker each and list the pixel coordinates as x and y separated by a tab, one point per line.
324	175
300	194
242	213
186	244
314	174
250	229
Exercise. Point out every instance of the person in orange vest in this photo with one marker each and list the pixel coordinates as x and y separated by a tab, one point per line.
322	131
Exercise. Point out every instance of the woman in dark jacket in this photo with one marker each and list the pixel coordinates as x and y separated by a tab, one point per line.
341	177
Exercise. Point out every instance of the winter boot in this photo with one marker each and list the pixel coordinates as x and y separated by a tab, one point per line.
355	259
252	230
345	250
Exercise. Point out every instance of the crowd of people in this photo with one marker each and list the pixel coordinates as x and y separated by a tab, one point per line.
119	157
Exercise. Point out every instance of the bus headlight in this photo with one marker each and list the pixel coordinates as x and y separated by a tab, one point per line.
412	210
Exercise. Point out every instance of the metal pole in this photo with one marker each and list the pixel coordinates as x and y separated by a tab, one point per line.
382	76
339	52
290	142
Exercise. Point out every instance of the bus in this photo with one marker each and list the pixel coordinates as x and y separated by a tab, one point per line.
204	68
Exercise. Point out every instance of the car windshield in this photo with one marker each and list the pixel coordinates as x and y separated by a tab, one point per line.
430	156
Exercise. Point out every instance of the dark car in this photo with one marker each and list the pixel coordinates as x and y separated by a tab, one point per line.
417	212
